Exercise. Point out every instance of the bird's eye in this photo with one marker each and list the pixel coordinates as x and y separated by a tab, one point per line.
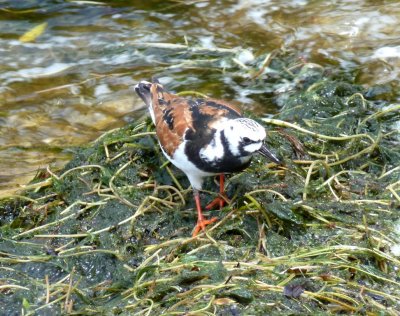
246	140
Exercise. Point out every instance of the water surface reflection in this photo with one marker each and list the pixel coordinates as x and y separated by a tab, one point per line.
74	81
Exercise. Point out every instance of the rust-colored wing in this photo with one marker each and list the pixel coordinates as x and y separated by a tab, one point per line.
172	118
176	116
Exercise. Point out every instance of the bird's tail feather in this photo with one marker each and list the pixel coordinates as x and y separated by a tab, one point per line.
143	91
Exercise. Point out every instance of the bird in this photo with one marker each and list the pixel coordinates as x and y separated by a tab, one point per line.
203	137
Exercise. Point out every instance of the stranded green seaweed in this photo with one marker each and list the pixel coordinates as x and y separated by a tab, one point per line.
109	233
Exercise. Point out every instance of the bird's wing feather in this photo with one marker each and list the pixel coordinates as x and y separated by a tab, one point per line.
212	105
172	118
178	118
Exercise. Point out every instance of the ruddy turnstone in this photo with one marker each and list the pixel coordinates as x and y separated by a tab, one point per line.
203	137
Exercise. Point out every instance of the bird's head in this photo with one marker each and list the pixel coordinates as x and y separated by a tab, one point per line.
246	137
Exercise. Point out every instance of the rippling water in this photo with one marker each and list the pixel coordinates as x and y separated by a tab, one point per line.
75	80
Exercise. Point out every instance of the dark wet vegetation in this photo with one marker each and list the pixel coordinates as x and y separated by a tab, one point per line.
110	232
67	67
106	227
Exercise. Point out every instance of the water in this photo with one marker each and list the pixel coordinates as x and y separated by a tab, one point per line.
75	80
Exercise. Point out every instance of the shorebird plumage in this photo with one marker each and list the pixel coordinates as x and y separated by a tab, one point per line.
203	137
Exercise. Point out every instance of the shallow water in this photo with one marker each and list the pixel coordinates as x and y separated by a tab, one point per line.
74	81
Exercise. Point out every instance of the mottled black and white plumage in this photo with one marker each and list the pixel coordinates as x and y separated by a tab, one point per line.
202	136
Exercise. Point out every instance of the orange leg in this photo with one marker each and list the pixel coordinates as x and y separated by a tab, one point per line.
221	199
202	222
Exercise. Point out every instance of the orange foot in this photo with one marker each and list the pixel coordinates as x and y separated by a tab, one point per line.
218	202
201	224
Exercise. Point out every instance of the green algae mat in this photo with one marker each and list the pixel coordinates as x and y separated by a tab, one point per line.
110	234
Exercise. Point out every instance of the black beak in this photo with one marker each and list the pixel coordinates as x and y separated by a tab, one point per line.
268	154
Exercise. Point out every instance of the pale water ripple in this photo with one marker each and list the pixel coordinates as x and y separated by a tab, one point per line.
75	80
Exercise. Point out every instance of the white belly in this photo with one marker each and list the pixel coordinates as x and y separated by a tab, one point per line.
194	174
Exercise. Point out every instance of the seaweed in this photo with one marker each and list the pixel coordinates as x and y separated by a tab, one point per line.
110	233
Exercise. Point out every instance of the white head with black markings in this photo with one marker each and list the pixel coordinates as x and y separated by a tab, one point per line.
245	137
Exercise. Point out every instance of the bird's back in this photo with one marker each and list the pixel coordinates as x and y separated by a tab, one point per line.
178	119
